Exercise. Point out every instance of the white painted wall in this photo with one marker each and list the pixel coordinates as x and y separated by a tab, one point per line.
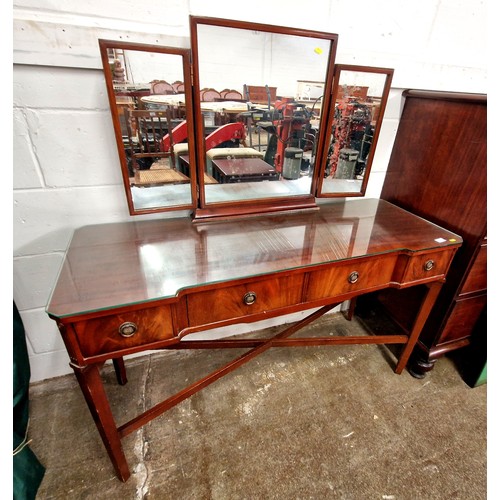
65	166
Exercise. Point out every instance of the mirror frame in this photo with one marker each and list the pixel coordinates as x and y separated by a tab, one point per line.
263	205
185	54
331	117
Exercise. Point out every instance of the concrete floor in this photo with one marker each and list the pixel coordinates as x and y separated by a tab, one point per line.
294	423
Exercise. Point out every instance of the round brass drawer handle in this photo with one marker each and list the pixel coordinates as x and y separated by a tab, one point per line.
429	265
127	329
249	298
353	277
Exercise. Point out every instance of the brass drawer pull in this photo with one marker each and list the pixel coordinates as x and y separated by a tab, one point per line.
249	298
353	277
429	265
127	329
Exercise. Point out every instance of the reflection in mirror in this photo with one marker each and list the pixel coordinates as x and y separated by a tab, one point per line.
259	93
356	117
148	104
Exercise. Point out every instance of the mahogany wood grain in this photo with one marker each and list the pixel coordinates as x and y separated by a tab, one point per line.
297	342
115	265
438	171
451	196
476	279
462	314
438	264
93	390
216	305
102	335
425	307
334	281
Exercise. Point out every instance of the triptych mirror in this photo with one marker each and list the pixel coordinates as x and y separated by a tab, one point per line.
254	118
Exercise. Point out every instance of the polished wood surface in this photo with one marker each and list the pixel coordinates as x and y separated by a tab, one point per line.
113	265
438	170
439	184
476	279
99	335
132	287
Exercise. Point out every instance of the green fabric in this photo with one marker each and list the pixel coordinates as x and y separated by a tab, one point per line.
482	376
28	471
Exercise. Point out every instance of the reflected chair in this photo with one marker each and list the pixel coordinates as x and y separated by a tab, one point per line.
178	87
260	94
209	95
148	161
256	94
161	87
231	95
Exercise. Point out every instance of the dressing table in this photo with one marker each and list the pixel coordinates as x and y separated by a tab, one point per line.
131	287
253	248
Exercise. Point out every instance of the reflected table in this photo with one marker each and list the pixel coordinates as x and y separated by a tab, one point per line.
184	168
227	107
242	170
127	288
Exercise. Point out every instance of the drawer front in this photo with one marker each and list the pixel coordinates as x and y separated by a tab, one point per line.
243	300
116	332
421	267
476	279
462	319
350	277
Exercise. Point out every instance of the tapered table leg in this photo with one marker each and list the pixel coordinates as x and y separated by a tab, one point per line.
121	372
349	314
425	308
92	387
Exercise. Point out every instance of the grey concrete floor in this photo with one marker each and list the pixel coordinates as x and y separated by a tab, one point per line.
294	423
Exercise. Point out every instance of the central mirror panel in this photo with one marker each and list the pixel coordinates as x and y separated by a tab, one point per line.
259	93
150	99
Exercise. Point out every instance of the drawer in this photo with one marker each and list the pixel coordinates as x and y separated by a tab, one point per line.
338	279
102	335
463	318
242	300
476	278
422	267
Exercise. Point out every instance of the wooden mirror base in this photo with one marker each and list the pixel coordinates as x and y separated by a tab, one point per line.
222	212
